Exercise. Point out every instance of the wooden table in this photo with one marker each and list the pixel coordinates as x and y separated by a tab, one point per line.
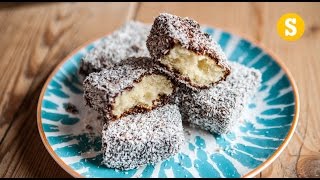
36	37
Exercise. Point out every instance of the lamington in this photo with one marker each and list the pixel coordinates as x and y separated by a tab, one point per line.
219	108
128	41
144	138
186	53
133	86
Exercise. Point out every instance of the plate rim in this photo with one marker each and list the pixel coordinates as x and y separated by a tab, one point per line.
250	174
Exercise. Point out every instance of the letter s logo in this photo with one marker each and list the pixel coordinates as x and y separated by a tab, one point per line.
290	27
289	24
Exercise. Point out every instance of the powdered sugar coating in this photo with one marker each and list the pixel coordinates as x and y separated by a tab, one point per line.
128	41
218	109
169	30
101	88
140	139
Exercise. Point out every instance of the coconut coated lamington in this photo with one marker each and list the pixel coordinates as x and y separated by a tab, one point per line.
133	86
140	139
187	54
128	41
219	108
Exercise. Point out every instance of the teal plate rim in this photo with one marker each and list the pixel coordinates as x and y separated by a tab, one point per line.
252	173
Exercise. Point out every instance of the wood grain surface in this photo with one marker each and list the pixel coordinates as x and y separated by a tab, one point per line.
37	36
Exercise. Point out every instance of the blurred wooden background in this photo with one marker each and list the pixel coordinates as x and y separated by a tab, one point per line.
35	37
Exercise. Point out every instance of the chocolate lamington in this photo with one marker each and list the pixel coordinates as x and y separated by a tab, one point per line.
140	139
128	41
133	86
187	54
219	108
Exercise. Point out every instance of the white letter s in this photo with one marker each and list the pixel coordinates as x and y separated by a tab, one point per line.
289	24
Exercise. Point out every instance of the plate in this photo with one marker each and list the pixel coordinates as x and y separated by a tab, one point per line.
267	124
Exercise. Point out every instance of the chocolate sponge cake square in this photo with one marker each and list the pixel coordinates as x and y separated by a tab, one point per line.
144	138
187	54
219	108
133	86
128	41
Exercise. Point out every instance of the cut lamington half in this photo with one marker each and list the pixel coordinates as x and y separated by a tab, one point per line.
133	86
128	41
188	54
144	138
219	108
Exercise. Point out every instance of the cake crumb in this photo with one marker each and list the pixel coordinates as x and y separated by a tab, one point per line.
71	108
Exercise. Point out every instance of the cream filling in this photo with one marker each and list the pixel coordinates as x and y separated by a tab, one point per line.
143	93
200	69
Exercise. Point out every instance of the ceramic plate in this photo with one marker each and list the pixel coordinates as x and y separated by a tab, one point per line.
267	124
